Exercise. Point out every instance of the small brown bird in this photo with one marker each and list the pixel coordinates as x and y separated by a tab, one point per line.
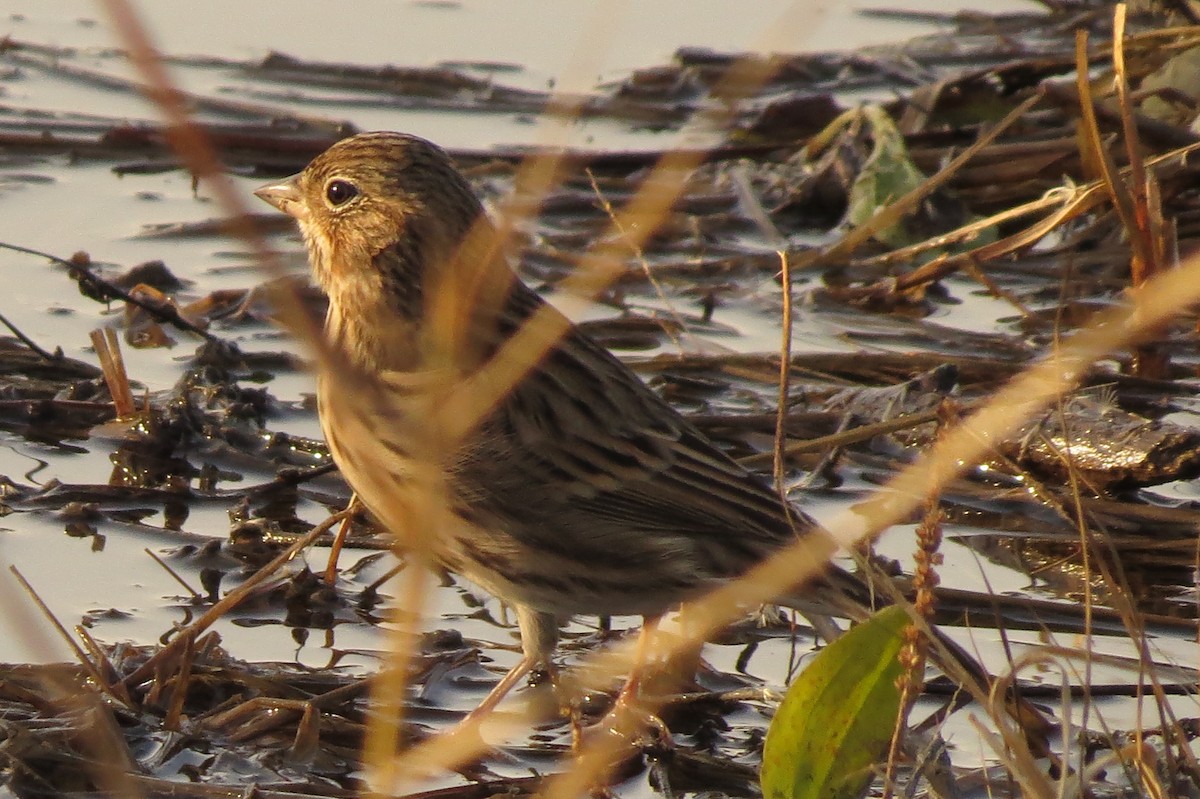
582	492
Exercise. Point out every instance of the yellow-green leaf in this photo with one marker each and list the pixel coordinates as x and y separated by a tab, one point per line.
886	175
838	716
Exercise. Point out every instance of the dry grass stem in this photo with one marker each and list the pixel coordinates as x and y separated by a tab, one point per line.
112	768
193	147
1098	152
995	289
1147	261
1051	200
640	256
1069	203
854	435
785	367
1167	295
112	364
80	655
26	340
228	602
597	269
389	689
176	576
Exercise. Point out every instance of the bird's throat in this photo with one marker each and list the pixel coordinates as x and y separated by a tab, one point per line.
372	336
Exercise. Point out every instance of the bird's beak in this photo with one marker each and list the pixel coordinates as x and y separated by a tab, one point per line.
284	195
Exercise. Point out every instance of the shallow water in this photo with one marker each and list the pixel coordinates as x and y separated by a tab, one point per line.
60	204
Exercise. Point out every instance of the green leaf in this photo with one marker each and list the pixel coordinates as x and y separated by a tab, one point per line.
886	175
838	716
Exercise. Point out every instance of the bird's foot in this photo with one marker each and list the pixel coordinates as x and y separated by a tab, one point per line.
339	539
629	722
632	718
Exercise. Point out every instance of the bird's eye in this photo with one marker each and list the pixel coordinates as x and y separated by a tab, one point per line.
340	191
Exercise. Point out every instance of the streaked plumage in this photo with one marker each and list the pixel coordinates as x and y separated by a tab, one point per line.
584	492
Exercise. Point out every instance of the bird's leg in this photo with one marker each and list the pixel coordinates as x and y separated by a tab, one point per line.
339	539
627	712
629	691
501	689
539	636
627	704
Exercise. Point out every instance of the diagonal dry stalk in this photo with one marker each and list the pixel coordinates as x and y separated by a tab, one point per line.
113	766
598	268
112	364
462	401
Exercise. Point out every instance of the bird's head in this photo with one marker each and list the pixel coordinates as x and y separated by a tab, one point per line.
372	193
393	228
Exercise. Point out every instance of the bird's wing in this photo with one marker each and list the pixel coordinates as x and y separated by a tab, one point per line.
584	444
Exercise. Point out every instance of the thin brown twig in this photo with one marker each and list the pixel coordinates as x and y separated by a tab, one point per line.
28	342
87	664
639	254
97	287
1079	520
785	364
996	290
174	574
231	600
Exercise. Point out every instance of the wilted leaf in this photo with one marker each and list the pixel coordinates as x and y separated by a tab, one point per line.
1173	89
886	175
838	716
